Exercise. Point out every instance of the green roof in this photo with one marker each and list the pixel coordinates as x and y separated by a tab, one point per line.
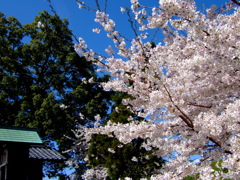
19	135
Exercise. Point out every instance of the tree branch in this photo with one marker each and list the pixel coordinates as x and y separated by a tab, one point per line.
198	105
189	122
219	144
183	116
236	2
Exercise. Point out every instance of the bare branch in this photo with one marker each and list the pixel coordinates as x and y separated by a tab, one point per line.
219	144
105	7
98	6
198	105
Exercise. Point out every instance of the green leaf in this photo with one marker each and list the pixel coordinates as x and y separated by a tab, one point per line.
214	166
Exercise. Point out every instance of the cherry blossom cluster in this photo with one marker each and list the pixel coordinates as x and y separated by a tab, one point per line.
95	173
186	86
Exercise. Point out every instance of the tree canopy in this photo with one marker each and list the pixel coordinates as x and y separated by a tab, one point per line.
43	80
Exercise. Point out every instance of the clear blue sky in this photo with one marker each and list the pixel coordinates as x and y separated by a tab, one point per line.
80	21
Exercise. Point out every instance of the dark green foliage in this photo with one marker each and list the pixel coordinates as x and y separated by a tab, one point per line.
122	115
40	71
194	177
120	164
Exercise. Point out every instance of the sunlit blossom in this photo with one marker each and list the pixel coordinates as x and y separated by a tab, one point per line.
186	87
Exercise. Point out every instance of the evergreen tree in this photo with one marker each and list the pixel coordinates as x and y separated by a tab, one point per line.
42	80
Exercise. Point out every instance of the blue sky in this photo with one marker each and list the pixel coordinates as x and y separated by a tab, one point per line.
80	21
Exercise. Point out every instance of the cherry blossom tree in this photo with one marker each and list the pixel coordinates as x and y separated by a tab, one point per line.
186	86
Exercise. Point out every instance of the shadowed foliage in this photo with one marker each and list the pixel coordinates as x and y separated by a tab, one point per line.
41	80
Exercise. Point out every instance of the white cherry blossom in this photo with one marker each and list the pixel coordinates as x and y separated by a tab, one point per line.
187	87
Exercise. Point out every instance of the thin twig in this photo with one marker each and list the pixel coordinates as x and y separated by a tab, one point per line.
51	7
98	6
219	144
105	7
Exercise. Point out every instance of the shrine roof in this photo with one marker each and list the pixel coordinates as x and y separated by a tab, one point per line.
44	153
23	135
